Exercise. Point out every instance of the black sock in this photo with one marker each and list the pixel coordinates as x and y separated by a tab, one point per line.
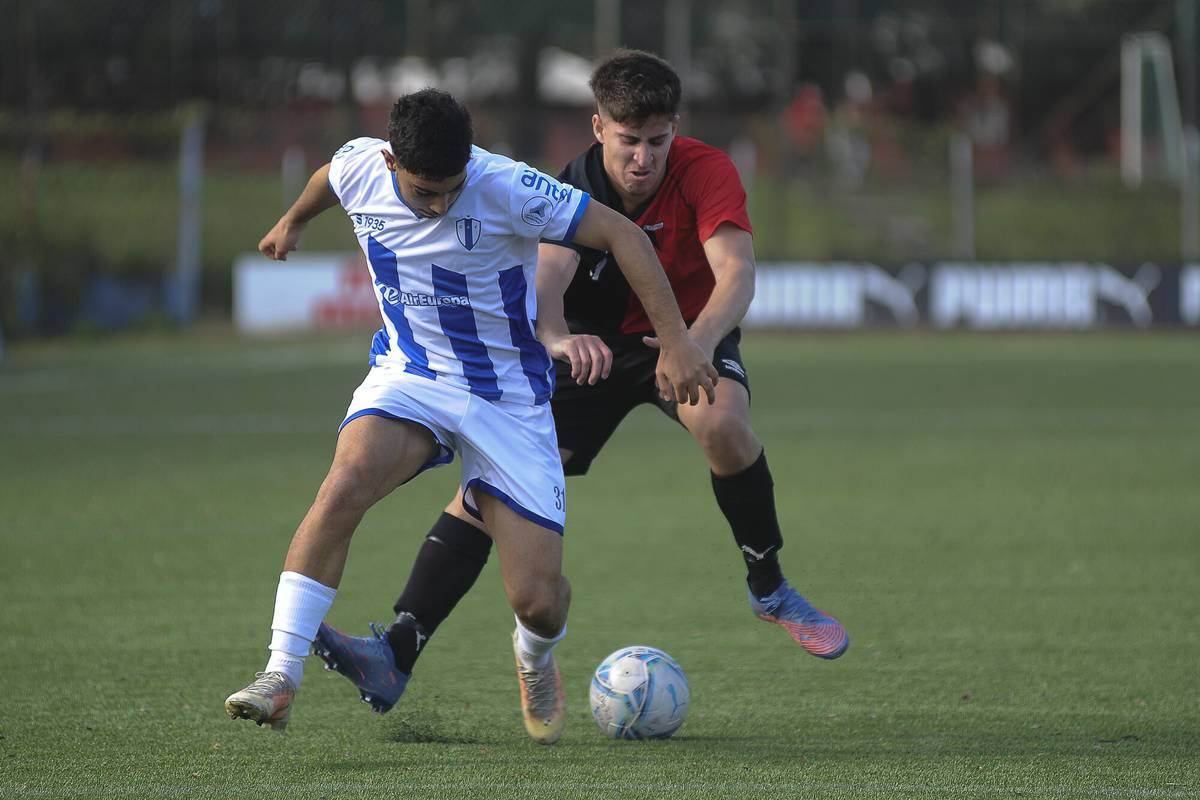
448	563
747	500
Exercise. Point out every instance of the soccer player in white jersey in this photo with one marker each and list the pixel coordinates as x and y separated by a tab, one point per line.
450	232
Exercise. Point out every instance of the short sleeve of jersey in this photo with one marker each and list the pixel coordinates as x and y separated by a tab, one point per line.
578	248
542	207
713	187
351	170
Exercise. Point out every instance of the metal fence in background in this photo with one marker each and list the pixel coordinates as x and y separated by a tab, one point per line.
153	141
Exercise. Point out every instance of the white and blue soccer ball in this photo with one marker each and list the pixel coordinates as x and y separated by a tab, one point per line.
639	693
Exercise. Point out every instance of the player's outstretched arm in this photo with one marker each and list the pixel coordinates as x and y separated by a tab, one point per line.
285	236
588	355
730	253
684	371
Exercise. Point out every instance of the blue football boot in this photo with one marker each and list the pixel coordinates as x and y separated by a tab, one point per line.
813	629
367	661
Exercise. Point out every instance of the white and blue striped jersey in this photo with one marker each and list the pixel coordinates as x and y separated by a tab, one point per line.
456	292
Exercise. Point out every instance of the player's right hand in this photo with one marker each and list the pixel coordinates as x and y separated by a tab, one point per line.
280	240
684	372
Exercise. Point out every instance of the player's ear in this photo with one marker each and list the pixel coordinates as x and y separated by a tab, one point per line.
388	159
598	128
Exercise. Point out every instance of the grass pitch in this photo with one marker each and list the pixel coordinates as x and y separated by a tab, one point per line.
1009	528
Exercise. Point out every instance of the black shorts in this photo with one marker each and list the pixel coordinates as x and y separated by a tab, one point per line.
585	416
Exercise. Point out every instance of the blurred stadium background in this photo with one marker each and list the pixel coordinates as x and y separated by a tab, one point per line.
146	144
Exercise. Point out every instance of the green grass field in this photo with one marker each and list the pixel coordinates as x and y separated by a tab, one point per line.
1008	526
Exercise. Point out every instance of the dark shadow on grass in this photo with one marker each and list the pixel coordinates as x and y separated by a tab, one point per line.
410	730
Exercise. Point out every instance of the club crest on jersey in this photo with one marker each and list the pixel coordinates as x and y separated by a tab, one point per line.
469	230
536	211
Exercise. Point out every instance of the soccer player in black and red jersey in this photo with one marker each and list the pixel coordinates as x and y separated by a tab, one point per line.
688	198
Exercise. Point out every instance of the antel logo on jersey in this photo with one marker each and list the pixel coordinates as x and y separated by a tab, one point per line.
540	183
469	230
395	297
536	211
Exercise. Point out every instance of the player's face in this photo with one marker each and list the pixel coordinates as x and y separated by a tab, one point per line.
635	154
427	198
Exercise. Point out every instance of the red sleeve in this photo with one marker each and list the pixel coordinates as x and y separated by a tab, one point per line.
714	188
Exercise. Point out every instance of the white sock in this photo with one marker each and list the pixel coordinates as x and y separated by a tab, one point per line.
300	605
288	664
534	650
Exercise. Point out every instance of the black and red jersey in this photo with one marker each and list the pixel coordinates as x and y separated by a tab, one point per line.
700	191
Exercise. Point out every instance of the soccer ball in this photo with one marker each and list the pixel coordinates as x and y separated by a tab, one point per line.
639	693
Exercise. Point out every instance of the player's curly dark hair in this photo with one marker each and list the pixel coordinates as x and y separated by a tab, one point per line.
430	133
632	85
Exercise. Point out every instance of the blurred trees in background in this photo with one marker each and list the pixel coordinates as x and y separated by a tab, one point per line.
922	58
838	112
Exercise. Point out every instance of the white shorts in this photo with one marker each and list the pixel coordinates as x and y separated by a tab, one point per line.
508	450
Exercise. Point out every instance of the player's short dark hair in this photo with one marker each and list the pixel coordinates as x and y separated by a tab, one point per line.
632	85
430	133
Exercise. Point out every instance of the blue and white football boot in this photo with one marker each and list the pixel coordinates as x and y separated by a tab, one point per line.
367	661
813	629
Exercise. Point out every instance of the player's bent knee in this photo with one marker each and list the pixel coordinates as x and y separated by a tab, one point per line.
725	432
345	491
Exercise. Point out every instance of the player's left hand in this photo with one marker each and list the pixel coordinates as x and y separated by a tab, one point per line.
588	355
